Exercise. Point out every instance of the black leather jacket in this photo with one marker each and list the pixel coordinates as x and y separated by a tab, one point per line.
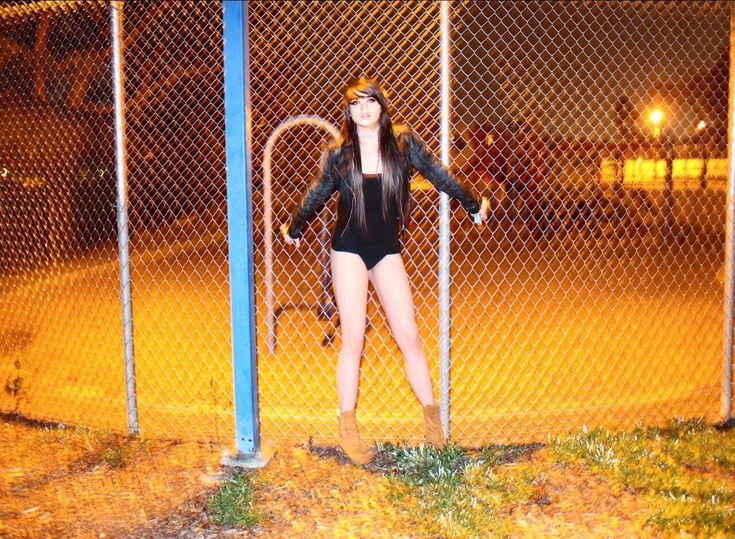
415	155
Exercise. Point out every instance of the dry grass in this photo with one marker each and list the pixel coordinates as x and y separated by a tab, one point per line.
60	481
75	482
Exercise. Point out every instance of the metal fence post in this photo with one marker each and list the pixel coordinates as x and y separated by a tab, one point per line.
729	273
118	75
444	247
240	232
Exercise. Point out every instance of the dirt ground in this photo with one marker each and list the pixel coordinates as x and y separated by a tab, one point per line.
70	482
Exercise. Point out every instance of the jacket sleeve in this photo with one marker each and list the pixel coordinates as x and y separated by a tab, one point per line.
438	175
315	196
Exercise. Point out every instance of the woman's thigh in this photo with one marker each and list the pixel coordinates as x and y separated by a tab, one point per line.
350	283
390	281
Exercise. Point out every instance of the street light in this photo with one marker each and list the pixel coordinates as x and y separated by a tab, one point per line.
655	118
665	145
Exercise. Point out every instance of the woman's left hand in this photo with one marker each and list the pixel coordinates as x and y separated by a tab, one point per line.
484	210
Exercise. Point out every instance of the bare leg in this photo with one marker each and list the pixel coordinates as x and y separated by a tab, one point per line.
391	284
350	281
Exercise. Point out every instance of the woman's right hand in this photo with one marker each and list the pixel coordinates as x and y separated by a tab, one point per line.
288	239
485	209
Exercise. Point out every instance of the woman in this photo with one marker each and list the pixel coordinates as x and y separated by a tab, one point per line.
371	168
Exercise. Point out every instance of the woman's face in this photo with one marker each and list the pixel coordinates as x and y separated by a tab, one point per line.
365	110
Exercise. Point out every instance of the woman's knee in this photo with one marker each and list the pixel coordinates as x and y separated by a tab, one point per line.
353	342
408	339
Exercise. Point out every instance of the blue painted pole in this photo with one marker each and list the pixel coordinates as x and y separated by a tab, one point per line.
240	233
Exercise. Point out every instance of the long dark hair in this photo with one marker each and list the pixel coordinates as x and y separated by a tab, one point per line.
390	157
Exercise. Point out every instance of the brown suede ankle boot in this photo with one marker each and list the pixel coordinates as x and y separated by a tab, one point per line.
350	442
434	430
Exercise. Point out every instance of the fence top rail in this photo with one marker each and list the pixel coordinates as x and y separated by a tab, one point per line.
41	6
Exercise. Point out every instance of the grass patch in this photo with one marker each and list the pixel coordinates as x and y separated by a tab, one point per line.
684	470
233	503
95	446
453	494
105	447
696	445
118	456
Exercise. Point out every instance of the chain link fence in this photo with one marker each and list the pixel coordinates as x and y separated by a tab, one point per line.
60	306
592	295
596	292
62	348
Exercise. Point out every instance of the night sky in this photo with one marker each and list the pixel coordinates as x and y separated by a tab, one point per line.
564	65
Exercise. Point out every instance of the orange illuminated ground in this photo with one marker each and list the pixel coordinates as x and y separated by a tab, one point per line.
547	336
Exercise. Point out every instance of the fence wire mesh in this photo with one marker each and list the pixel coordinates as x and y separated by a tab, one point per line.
593	295
176	160
60	336
62	329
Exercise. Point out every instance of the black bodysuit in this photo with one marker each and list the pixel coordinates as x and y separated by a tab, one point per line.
381	237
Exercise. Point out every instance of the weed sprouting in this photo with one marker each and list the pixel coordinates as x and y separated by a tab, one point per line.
453	494
233	503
